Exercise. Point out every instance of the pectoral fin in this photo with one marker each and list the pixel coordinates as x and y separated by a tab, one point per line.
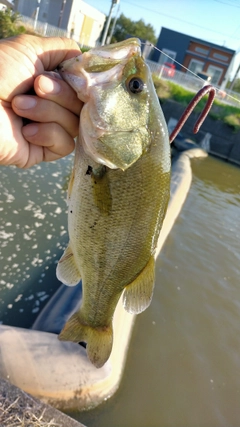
67	271
70	185
138	294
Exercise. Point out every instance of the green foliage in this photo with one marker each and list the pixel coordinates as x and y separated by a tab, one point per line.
179	94
9	24
125	27
236	86
85	49
233	120
162	87
227	113
166	89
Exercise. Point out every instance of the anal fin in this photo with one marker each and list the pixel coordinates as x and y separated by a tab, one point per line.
138	294
67	271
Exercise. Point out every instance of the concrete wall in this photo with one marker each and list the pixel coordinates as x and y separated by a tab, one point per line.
224	143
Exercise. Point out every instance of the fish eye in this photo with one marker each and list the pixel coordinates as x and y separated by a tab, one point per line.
136	85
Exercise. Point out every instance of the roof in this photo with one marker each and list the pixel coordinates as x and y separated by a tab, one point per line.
195	39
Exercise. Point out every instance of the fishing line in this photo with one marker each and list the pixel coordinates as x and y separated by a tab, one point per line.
191	72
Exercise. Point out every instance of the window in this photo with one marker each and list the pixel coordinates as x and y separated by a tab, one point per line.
221	57
195	66
216	74
201	50
163	58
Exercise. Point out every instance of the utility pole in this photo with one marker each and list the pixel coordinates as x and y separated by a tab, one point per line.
108	21
113	26
36	14
61	13
234	78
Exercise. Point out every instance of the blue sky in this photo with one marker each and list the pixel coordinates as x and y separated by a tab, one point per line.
217	21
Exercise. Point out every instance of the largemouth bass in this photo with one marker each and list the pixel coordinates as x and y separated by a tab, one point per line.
118	192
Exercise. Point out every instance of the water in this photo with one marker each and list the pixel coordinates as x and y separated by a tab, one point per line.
183	365
33	233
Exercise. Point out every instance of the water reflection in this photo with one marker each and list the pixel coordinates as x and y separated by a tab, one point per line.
227	181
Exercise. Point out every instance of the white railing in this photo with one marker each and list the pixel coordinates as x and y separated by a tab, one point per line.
45	29
193	83
185	80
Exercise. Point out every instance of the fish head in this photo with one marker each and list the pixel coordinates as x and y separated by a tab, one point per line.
115	84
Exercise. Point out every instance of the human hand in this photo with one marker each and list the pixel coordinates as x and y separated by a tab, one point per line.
54	110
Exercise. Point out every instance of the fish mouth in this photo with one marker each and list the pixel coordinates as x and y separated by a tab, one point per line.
89	68
119	51
111	54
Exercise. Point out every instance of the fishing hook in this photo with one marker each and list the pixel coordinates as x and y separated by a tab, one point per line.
211	91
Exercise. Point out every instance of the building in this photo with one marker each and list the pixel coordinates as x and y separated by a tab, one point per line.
83	22
5	3
197	55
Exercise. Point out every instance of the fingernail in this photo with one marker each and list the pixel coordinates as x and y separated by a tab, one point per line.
30	130
48	85
24	102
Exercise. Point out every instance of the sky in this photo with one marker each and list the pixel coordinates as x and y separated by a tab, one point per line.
216	21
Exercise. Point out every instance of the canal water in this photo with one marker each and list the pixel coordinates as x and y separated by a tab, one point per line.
183	364
33	233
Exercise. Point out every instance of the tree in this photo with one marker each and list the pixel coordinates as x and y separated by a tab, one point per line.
125	27
9	24
235	87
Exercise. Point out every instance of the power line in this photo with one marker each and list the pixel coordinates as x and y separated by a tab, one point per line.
177	19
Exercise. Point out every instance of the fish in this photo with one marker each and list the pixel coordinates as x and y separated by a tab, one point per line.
118	191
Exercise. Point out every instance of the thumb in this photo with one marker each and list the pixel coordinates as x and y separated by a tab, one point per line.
53	50
30	56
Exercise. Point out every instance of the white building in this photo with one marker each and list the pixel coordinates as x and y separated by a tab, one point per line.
83	22
5	3
87	22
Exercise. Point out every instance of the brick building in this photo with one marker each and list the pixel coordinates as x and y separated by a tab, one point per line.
195	54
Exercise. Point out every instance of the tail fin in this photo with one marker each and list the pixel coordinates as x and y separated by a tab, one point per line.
99	340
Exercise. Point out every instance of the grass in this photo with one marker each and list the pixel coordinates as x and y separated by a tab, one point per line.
12	414
233	120
228	114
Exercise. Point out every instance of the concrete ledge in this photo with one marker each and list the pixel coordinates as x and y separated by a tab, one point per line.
59	373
